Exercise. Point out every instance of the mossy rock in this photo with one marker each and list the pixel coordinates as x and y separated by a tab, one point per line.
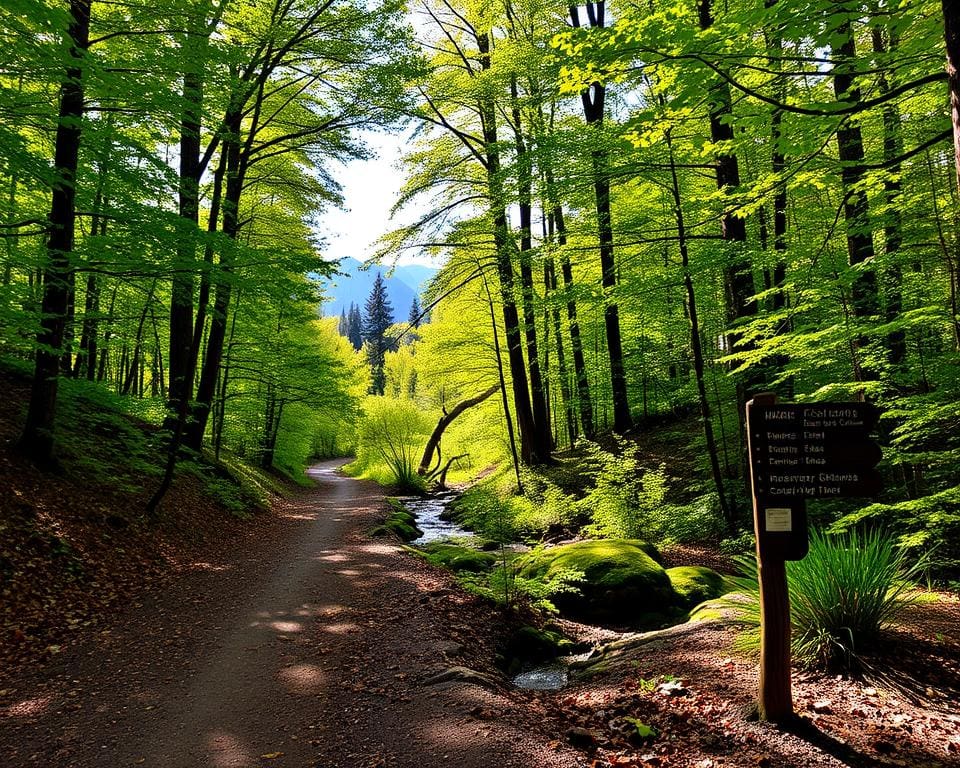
458	558
532	644
399	523
696	583
622	582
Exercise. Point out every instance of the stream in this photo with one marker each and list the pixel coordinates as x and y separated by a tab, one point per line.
549	676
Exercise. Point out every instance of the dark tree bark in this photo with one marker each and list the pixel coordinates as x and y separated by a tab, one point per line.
892	230
951	30
593	108
550	285
529	448
856	211
584	401
236	164
697	347
444	422
738	274
538	399
37	438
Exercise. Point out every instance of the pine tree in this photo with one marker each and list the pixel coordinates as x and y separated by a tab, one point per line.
355	327
414	318
413	321
343	327
378	316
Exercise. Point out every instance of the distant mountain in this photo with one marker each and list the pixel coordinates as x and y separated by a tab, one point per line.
355	284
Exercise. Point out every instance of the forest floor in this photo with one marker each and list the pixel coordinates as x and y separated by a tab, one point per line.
296	640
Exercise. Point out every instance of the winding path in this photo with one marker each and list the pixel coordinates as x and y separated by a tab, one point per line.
308	648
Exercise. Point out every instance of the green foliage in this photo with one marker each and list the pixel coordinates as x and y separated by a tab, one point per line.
624	498
390	438
842	594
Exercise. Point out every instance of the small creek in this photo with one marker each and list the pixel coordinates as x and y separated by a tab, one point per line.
427	510
551	676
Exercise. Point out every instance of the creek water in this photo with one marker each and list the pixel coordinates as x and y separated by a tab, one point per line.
551	676
427	510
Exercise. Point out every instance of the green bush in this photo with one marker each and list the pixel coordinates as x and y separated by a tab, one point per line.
390	437
625	497
842	594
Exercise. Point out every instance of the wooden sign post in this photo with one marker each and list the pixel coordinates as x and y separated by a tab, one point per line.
816	450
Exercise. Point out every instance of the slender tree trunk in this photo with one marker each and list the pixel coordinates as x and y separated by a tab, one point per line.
581	377
856	211
235	172
697	347
550	283
503	386
538	399
593	108
529	452
138	345
893	229
738	274
951	30
37	438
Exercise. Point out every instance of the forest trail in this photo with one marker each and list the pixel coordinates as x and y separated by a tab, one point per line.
309	648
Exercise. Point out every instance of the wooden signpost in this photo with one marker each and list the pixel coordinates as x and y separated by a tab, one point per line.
798	452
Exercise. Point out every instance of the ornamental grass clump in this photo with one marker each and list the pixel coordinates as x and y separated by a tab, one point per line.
842	594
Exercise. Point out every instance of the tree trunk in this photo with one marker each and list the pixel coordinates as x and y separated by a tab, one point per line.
856	211
37	438
593	108
584	400
445	422
529	452
550	283
951	30
235	171
697	347
541	418
738	273
893	229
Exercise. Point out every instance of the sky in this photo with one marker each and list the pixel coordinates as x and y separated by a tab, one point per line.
370	188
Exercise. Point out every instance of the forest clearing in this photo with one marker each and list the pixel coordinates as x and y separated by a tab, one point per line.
627	433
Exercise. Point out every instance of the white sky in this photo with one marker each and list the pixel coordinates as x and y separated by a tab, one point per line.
370	188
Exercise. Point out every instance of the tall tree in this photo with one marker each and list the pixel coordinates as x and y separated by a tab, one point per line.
37	438
377	318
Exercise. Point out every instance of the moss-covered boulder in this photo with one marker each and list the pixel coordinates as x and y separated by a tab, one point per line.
458	558
622	582
399	523
695	584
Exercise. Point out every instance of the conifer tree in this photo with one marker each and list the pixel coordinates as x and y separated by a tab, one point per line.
355	327
378	316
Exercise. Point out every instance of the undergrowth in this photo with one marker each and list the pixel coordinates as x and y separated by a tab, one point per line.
842	595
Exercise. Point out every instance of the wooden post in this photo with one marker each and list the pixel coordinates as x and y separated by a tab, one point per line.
775	701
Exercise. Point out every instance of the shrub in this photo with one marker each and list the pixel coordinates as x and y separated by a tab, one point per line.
391	433
624	497
842	594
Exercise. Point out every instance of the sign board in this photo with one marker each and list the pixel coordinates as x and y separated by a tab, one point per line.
813	451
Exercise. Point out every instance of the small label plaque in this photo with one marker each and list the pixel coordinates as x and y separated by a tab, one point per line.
779	520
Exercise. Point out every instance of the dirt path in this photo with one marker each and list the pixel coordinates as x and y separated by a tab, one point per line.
314	647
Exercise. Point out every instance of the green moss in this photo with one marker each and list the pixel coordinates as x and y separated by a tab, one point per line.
695	583
458	558
622	582
399	523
